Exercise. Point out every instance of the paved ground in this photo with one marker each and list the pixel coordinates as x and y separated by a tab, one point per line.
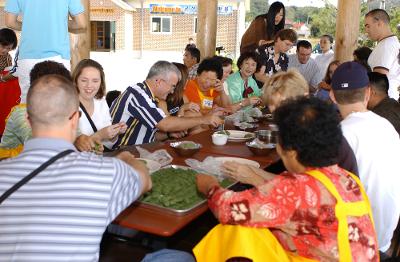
125	68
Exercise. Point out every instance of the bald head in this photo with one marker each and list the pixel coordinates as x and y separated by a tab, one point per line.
51	100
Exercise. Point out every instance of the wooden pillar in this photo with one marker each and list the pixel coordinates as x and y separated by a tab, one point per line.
207	26
80	43
347	29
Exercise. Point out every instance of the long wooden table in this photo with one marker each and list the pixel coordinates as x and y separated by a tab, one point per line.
159	222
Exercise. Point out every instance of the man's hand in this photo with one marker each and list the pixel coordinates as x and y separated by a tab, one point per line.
219	87
213	120
205	183
139	166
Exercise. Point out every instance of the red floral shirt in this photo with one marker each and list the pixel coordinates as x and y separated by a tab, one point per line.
300	212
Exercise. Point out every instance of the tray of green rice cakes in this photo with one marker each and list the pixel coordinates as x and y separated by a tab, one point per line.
174	190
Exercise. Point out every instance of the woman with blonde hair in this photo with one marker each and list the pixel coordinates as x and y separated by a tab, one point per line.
282	86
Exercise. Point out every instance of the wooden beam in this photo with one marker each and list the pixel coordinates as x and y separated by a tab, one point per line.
347	29
80	43
207	26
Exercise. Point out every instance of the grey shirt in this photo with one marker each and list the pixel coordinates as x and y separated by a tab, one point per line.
310	70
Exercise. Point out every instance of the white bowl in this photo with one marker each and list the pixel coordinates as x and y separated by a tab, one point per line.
219	139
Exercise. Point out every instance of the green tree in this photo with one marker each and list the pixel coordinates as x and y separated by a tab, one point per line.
323	21
394	14
257	7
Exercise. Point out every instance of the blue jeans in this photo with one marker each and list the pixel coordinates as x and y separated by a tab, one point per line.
168	255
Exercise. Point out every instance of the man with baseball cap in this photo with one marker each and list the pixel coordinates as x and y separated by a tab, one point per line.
376	145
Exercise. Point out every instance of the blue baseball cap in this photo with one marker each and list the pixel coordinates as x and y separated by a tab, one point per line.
349	76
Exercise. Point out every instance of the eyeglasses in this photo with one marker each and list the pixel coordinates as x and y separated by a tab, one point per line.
172	86
74	113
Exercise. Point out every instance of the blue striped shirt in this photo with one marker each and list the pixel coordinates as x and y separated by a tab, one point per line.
62	213
137	107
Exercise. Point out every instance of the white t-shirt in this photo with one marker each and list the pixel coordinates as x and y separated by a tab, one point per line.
376	145
101	117
385	55
323	61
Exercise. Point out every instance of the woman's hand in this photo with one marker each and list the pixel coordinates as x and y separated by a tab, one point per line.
251	101
110	132
193	107
86	143
205	183
243	173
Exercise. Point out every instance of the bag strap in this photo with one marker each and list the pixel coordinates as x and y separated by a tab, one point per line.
88	117
33	174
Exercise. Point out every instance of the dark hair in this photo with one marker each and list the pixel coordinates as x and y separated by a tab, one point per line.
84	63
225	61
48	68
304	43
362	53
177	95
111	96
310	127
8	37
194	52
351	96
379	15
379	82
327	77
287	34
273	10
211	64
329	37
247	55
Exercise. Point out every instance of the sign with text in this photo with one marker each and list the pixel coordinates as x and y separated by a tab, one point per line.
185	9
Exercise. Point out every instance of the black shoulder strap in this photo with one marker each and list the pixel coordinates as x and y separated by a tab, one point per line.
33	174
88	117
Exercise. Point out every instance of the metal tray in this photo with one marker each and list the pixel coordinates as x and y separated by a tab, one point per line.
179	212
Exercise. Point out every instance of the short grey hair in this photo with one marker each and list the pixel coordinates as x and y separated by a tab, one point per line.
163	69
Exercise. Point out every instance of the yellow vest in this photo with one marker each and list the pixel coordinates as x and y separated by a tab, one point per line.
227	241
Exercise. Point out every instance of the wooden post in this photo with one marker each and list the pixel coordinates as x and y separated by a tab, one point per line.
207	26
347	29
80	43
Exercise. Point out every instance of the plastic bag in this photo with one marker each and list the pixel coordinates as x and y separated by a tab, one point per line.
161	156
209	166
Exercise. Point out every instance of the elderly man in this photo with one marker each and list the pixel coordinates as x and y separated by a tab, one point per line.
385	57
137	107
60	214
375	143
303	62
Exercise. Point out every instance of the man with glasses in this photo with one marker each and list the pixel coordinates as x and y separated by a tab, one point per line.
63	211
137	107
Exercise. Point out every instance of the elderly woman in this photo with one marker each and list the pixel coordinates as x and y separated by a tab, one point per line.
291	84
242	88
314	211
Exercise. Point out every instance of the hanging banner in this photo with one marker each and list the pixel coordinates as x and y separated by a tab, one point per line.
185	9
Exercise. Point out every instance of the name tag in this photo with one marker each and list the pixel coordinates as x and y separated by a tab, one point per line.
207	103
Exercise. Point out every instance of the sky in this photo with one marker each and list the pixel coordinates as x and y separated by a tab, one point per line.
316	3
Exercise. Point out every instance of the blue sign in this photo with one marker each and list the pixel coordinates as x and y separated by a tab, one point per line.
185	9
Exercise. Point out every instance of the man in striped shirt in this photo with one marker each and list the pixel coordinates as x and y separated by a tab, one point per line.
137	107
61	214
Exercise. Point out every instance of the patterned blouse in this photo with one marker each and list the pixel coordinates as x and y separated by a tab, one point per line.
300	212
266	57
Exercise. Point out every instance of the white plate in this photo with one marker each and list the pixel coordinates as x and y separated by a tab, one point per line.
239	136
239	160
152	165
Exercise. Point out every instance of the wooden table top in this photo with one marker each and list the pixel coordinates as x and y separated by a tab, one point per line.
159	222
